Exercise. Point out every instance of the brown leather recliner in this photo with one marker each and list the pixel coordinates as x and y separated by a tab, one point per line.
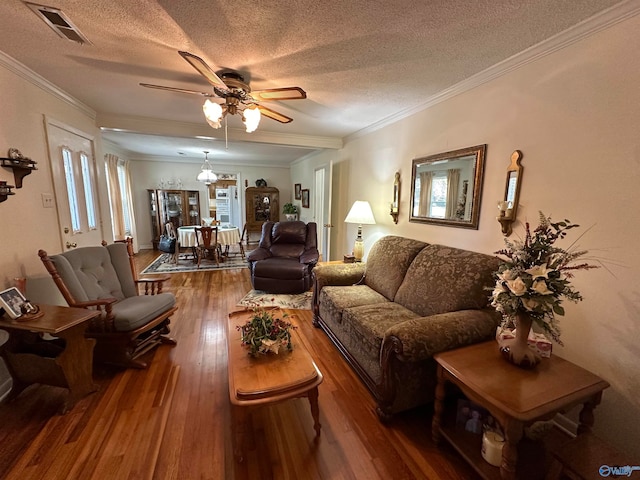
283	261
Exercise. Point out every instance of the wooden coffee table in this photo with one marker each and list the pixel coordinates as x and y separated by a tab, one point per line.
268	378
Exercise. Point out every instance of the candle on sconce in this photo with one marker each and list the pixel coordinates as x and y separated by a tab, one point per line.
503	205
492	443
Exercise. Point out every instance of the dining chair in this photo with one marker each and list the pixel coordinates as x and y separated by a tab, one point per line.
240	251
170	230
207	243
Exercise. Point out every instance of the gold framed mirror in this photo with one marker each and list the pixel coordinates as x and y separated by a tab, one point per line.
446	188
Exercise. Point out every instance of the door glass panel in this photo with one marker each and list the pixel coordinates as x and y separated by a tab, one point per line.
88	191
72	194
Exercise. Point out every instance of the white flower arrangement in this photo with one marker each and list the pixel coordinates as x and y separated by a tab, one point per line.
535	275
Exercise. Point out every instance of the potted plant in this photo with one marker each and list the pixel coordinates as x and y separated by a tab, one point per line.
290	211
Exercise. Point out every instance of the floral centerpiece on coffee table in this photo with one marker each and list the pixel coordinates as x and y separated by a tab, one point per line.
266	331
531	283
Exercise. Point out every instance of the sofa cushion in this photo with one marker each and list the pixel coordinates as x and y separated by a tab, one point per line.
334	300
366	326
445	279
388	261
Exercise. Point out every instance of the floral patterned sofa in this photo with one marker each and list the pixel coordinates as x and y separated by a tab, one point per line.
410	300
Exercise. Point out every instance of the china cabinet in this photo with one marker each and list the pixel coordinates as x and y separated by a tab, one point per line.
262	206
180	207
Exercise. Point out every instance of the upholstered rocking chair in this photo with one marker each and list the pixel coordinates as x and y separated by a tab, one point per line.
104	278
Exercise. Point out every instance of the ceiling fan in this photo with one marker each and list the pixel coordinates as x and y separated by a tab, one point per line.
236	95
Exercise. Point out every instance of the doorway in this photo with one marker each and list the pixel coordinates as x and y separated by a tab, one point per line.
322	208
73	168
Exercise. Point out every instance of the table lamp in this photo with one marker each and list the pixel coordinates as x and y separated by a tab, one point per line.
360	213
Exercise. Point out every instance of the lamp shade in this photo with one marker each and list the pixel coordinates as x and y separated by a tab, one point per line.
361	213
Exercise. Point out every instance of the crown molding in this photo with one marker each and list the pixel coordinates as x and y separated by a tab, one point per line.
39	81
601	21
153	126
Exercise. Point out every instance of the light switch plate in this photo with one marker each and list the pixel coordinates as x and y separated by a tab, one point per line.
47	200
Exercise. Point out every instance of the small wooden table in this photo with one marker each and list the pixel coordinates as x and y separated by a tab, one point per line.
513	396
31	360
268	378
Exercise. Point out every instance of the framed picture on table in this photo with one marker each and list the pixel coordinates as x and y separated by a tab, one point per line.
305	198
11	300
298	191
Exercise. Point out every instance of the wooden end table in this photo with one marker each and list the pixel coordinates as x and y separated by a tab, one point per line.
267	379
513	396
31	360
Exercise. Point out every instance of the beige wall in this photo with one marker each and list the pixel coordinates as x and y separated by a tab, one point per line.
575	116
25	224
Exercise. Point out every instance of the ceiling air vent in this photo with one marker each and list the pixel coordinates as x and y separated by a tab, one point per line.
59	22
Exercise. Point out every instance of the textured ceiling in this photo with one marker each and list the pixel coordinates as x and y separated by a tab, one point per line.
359	61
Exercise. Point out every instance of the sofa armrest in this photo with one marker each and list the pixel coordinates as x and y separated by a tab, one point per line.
334	274
337	274
420	338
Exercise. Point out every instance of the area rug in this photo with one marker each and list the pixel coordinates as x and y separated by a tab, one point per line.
257	298
186	264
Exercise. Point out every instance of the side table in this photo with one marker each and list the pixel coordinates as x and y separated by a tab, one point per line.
67	364
513	396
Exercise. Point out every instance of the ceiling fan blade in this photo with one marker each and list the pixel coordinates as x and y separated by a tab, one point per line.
178	90
272	114
204	69
289	93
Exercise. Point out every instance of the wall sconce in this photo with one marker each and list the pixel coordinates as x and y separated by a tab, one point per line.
395	205
508	206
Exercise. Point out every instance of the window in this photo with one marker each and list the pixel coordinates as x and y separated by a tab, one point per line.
438	196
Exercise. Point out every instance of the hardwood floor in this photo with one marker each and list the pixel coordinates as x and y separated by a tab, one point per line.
172	421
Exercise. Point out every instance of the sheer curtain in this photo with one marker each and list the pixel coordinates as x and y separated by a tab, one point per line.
120	198
424	206
453	181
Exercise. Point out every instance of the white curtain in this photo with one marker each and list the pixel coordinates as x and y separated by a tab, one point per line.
115	199
453	181
424	205
120	199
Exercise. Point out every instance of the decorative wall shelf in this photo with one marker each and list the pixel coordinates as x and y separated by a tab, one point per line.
5	191
21	168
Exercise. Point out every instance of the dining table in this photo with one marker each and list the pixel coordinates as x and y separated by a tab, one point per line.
227	235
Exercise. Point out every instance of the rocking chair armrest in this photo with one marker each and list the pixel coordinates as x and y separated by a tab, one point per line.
106	302
152	285
164	278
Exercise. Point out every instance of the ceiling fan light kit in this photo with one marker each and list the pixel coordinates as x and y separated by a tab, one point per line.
237	95
213	113
251	118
